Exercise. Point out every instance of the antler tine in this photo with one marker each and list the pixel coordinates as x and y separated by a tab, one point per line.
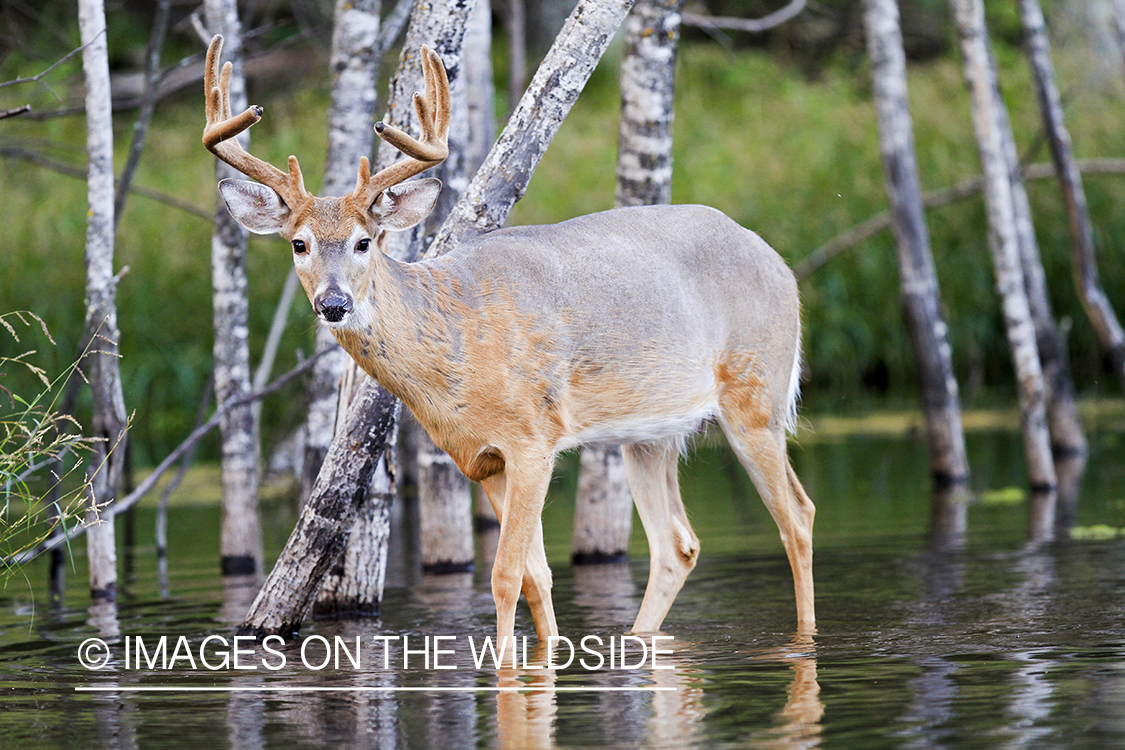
432	149
221	128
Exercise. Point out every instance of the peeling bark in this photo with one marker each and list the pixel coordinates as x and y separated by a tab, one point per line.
941	404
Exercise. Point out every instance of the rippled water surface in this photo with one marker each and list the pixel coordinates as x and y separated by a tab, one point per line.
927	638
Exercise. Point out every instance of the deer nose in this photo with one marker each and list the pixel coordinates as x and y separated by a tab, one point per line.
333	305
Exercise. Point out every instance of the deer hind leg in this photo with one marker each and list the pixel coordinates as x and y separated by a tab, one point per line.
759	443
535	581
673	547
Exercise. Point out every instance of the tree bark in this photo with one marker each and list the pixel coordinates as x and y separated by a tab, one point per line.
480	91
107	459
327	518
1086	278
502	179
444	494
603	510
355	583
941	404
354	64
1067	435
241	533
1004	243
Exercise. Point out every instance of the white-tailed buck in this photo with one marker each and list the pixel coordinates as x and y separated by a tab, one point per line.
632	326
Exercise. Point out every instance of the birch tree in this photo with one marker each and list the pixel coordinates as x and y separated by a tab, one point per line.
445	503
1004	243
941	404
241	534
327	518
1086	278
603	511
355	584
107	458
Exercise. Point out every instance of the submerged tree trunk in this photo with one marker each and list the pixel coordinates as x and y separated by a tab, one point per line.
355	583
327	518
1086	278
1004	243
949	466
444	494
107	459
603	512
1067	435
241	534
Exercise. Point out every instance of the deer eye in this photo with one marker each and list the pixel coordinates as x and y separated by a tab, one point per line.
363	245
299	247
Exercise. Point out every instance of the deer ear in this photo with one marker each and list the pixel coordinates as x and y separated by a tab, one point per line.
254	206
404	205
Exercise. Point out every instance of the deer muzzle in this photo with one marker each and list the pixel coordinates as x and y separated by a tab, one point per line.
333	305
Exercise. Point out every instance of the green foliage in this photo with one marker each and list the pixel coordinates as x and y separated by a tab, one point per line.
33	436
791	156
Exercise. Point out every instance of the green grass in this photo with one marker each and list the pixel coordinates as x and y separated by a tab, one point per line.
792	158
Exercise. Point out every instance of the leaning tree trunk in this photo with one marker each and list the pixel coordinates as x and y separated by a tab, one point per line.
1086	278
107	458
1068	438
949	466
241	533
1004	243
324	525
603	509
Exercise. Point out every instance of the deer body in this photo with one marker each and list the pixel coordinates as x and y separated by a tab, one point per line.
630	326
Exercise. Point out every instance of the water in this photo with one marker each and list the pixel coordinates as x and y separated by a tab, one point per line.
982	638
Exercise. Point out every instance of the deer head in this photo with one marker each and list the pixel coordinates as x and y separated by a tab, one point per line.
332	236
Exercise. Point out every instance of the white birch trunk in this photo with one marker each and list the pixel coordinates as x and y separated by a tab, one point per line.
355	583
444	494
241	533
107	458
480	91
1004	243
1086	278
603	510
354	64
921	296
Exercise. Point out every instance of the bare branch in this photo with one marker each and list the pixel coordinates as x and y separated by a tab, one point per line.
748	25
150	481
14	112
967	188
13	152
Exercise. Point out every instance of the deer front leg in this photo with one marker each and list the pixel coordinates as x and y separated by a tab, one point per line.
521	560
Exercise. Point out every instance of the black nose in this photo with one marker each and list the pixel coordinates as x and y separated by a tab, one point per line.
333	305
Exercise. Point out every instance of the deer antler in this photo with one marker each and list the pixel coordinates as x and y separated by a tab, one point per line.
433	117
221	128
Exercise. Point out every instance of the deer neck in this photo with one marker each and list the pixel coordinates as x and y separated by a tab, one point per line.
400	335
